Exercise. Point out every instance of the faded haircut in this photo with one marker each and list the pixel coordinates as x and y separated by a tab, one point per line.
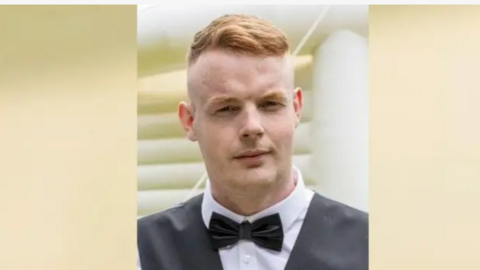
243	34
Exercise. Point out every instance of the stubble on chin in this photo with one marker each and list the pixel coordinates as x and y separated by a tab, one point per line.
252	180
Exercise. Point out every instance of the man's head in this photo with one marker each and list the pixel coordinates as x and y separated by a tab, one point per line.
243	107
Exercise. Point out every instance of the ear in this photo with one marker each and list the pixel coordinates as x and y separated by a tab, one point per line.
186	115
298	104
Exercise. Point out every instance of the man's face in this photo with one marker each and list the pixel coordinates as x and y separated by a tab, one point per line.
244	113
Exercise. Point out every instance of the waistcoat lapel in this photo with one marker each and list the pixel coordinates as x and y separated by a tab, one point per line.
200	253
333	237
177	240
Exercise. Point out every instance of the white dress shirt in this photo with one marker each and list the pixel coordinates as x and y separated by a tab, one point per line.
245	255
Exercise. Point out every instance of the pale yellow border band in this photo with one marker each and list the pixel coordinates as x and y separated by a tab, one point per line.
68	137
425	137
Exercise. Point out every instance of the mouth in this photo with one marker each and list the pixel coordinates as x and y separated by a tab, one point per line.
252	154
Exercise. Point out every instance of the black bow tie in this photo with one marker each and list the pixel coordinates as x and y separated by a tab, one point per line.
266	232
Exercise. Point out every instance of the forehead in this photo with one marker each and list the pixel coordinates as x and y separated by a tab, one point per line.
224	73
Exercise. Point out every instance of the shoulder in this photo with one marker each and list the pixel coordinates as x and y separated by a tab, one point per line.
339	209
175	218
340	231
341	216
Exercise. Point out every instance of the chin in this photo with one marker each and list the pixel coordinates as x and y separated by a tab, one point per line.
259	176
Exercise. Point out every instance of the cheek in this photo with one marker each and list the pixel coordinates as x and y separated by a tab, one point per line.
216	141
282	134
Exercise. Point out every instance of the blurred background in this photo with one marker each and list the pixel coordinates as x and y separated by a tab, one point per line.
331	147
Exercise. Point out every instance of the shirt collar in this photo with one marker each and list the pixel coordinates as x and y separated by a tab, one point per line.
289	208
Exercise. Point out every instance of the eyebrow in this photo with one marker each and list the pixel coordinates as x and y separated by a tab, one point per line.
221	99
276	95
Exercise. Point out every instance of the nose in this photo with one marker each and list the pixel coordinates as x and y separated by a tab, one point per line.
252	127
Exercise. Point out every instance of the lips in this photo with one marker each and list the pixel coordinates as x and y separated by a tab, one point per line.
251	154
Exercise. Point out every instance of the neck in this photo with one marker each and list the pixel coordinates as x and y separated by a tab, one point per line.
249	201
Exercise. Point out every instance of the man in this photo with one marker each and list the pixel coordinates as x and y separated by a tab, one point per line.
255	212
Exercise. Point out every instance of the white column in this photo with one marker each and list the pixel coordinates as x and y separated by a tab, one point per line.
340	129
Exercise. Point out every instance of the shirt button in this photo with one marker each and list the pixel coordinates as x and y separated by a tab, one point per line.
246	259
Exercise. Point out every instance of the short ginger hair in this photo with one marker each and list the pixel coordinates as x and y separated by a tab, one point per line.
244	34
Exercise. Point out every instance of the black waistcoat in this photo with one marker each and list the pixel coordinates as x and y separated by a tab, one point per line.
333	237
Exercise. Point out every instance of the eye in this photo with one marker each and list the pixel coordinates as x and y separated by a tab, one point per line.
227	109
271	104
